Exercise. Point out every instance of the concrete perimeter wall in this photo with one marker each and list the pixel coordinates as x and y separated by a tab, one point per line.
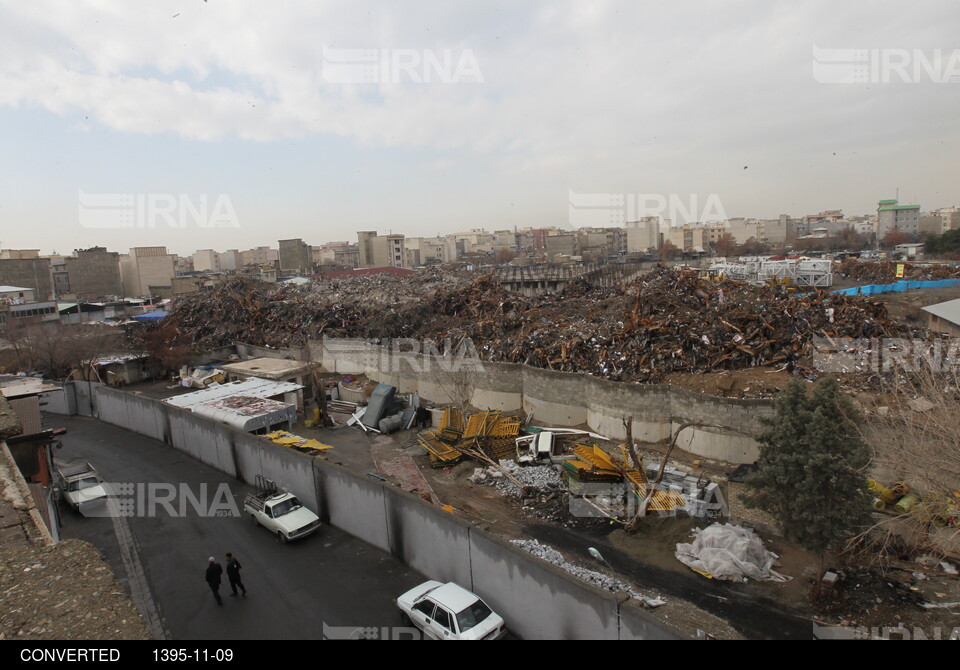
561	398
535	598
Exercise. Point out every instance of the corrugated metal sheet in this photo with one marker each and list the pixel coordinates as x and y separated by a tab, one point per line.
28	410
255	387
247	413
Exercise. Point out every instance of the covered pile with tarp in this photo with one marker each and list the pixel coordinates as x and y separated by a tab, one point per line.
733	553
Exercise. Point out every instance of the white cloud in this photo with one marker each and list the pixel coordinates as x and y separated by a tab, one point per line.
600	96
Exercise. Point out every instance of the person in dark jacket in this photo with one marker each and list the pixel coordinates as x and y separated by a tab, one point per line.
233	574
214	573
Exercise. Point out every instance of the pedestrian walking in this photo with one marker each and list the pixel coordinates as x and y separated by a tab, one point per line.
233	574
214	575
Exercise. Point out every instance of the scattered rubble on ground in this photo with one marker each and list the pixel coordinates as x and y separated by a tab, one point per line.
600	580
537	478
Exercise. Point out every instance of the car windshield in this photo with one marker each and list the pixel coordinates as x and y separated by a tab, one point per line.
472	615
286	507
81	484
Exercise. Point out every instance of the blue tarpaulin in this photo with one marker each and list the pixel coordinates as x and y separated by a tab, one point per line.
899	287
151	316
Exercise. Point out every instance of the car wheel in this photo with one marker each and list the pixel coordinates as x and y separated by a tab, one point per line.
256	521
404	619
281	537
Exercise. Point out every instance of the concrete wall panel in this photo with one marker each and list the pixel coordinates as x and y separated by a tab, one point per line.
427	538
353	504
536	599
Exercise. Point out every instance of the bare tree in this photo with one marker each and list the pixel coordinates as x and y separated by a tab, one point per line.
319	390
458	385
164	342
17	337
652	487
56	349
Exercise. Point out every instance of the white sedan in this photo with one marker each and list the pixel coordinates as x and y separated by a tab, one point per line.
450	612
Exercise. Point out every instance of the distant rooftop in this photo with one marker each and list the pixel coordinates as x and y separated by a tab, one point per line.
948	311
253	387
25	386
247	412
891	205
266	368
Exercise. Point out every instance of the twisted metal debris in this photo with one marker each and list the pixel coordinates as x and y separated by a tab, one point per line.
664	322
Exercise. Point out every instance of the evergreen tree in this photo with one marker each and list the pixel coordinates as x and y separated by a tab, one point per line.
809	471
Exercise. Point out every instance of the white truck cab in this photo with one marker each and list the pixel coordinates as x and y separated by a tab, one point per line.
280	512
80	485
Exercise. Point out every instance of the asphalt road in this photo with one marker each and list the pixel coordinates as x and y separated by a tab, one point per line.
330	578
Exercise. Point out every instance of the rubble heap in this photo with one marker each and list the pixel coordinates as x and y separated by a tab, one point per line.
886	273
600	580
533	477
666	321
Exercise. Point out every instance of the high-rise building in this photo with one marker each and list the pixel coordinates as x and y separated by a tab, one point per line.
295	257
892	215
146	270
206	260
375	251
92	274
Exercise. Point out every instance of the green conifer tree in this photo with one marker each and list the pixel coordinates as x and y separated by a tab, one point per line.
810	469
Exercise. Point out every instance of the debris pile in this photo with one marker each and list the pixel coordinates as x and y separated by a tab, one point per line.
532	477
551	555
594	465
488	436
886	273
664	322
937	509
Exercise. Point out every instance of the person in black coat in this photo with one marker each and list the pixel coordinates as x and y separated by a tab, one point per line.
214	573
233	574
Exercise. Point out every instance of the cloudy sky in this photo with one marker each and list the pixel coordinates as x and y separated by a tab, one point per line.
196	124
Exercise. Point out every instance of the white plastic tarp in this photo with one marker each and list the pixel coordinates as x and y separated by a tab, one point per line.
729	552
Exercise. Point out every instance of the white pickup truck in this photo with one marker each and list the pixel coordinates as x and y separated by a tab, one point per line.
80	485
279	512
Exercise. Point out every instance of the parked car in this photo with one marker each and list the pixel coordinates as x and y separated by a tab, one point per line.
450	612
279	512
80	485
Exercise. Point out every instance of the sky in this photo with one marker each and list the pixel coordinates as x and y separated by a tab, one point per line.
199	124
